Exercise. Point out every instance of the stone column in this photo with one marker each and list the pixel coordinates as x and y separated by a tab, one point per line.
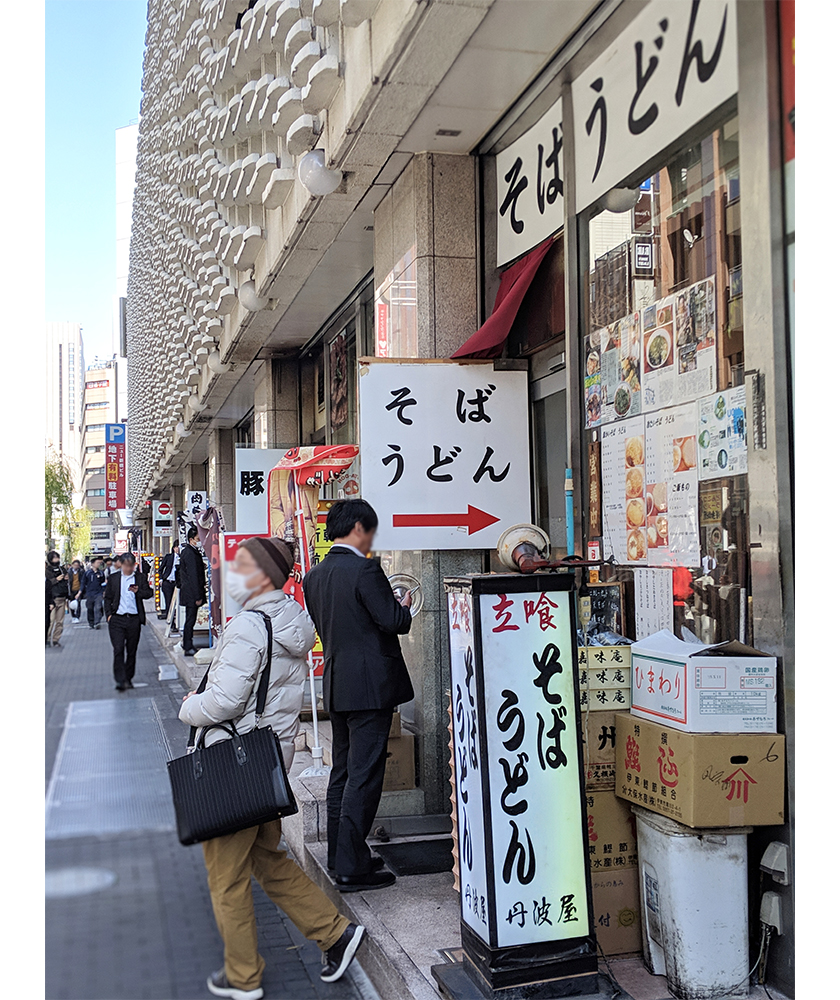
425	232
220	473
276	404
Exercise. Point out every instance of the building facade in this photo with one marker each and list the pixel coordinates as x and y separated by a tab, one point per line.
65	388
100	407
591	192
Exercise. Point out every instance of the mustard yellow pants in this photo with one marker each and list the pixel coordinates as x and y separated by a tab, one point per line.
231	861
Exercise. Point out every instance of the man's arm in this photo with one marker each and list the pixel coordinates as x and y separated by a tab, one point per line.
376	595
144	590
108	605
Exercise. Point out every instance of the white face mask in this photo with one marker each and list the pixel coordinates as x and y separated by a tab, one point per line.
237	587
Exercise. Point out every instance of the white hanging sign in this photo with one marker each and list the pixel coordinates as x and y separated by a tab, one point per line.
529	187
673	65
251	467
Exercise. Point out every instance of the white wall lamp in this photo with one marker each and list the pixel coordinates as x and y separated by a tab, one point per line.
181	430
195	404
621	199
247	293
315	176
215	363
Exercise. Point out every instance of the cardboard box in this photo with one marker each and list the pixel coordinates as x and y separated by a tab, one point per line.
399	764
605	677
611	833
726	688
598	749
396	726
617	911
701	779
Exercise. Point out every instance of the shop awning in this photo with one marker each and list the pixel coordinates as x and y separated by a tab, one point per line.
489	338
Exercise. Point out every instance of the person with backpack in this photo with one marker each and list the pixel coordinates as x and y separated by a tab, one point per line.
261	569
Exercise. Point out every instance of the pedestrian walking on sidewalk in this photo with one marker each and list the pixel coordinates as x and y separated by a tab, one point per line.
93	592
75	577
193	587
124	595
58	576
365	678
261	568
49	606
169	573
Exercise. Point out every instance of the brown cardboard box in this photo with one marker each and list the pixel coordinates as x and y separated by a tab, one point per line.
611	833
399	765
616	905
701	779
396	725
598	749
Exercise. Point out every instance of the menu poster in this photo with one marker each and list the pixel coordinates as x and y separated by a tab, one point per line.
671	500
623	488
722	434
694	316
658	353
592	379
654	601
621	386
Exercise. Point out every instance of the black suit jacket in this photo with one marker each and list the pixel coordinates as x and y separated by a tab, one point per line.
358	619
193	577
111	603
166	568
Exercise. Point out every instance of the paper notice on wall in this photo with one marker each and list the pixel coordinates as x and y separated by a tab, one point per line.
654	600
722	434
694	321
671	502
623	490
658	354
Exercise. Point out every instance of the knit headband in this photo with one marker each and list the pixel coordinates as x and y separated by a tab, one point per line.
273	556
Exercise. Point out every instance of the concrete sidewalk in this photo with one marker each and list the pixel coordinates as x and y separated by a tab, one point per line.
149	932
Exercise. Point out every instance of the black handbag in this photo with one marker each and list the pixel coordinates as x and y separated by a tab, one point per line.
233	784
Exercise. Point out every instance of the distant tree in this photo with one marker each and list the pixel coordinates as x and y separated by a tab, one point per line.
58	494
74	524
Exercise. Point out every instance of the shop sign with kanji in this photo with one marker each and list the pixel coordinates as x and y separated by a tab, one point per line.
115	466
445	453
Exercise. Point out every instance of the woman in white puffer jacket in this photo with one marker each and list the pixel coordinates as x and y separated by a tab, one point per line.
261	568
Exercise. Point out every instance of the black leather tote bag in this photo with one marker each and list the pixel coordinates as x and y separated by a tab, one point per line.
233	784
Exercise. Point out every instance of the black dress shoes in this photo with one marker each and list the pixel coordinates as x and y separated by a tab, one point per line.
376	864
363	883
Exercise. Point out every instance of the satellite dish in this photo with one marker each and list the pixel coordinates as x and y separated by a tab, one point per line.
519	541
690	238
401	584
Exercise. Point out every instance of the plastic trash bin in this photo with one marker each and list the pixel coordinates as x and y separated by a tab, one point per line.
693	885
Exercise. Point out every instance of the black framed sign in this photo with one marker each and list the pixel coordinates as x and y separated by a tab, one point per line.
524	877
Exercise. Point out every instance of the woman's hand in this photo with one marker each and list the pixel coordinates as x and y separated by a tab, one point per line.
188	695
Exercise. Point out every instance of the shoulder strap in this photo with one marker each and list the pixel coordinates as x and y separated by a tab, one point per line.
265	676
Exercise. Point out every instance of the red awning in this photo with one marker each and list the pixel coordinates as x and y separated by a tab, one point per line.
488	339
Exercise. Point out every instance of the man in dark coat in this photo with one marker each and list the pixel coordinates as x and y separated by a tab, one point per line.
193	587
93	591
125	592
169	567
365	678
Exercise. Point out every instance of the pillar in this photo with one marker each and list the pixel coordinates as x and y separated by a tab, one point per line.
221	488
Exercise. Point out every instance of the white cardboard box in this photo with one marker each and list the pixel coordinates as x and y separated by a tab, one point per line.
724	688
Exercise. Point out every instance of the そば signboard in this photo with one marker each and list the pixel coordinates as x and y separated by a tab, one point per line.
445	453
519	780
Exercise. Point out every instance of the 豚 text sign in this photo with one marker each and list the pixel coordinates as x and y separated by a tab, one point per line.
445	454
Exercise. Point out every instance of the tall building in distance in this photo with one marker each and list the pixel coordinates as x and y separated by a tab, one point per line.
101	390
65	388
126	166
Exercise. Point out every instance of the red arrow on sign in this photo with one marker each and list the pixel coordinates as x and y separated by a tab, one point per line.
474	520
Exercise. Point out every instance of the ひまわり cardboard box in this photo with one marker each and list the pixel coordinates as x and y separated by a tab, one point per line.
598	749
604	676
726	688
399	764
617	911
701	779
611	833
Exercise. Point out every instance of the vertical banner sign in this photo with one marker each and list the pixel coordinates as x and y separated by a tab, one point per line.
673	65
251	467
115	467
161	519
445	452
469	794
529	187
196	502
519	779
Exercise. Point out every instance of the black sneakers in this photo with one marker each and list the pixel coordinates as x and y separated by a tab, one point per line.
219	986
339	957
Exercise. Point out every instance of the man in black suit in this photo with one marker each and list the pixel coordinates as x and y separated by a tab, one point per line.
365	678
169	574
193	587
125	592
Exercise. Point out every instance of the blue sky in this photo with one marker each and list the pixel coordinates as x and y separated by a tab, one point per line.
94	62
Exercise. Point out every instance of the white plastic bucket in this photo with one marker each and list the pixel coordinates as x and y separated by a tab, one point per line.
693	886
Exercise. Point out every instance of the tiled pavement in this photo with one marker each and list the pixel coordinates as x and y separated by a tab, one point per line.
152	933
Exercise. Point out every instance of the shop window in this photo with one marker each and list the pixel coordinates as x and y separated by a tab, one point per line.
341	358
663	397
